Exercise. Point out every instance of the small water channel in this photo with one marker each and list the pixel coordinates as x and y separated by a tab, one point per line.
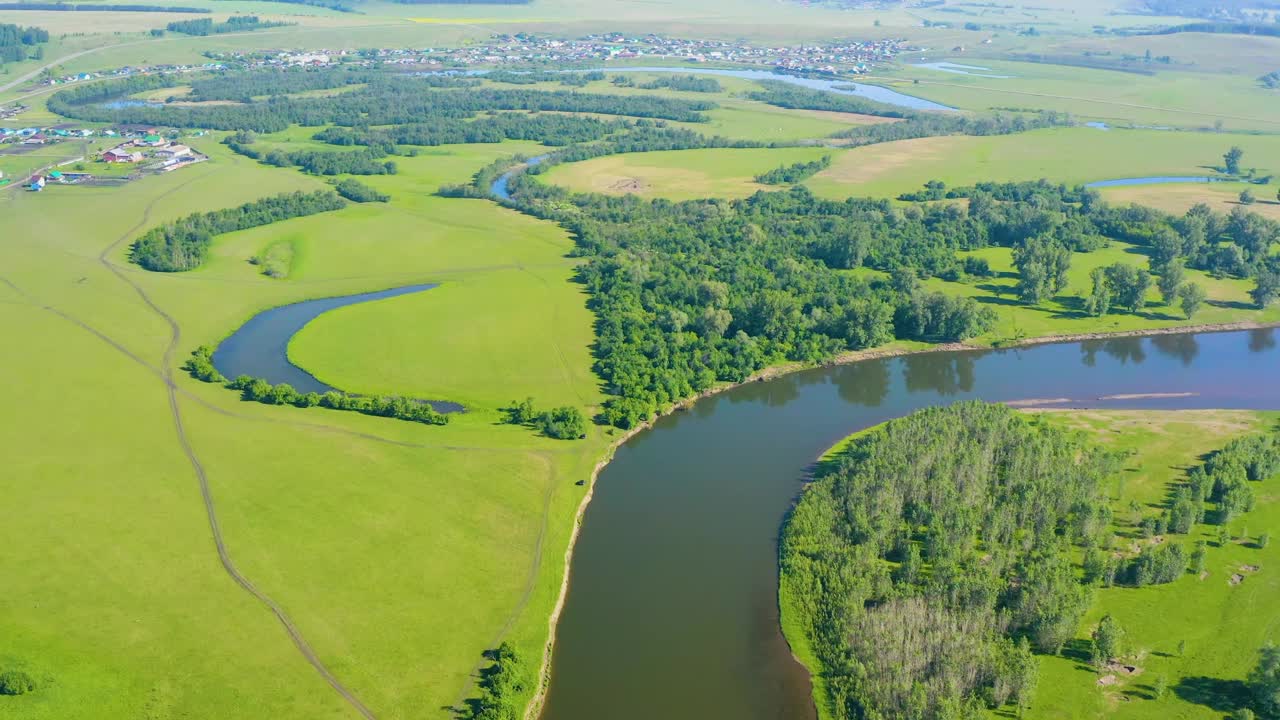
260	348
1156	180
672	604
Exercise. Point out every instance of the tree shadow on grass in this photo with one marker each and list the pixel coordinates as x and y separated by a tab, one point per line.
1079	651
1219	695
1232	304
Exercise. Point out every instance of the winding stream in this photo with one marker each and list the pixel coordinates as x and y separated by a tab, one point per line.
672	605
260	347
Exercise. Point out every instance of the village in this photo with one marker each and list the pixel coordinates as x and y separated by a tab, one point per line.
845	57
140	151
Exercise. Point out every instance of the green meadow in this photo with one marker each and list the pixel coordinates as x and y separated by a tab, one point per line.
389	544
1069	155
1200	634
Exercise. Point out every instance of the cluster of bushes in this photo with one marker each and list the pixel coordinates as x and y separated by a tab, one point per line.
386	99
184	244
684	83
562	423
200	366
235	23
794	173
16	682
923	598
502	687
16	41
356	191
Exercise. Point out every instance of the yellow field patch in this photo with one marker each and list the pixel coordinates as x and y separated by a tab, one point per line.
1178	198
864	164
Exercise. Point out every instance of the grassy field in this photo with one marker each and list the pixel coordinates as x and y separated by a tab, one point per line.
164	631
1070	155
1063	315
1209	614
1176	198
1173	98
1222	625
679	174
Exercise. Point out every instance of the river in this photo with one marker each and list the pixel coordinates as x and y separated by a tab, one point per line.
672	604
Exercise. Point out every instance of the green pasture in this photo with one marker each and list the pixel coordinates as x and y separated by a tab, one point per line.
1178	99
1069	155
1222	625
460	534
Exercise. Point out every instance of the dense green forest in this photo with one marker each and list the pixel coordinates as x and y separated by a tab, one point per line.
184	244
385	100
692	293
17	42
933	557
930	559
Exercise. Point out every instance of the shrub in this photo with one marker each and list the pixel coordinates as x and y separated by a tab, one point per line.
16	682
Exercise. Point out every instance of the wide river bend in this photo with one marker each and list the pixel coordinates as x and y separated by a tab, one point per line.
672	604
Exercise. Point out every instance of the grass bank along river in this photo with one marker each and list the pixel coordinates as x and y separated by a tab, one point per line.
672	605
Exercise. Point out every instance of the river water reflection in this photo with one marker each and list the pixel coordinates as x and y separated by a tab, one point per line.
672	609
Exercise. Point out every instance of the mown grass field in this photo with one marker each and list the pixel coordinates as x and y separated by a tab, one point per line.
1069	155
401	552
679	174
1222	625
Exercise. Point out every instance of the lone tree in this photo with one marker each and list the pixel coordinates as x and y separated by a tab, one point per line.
1192	297
1232	160
1170	281
1247	197
1108	639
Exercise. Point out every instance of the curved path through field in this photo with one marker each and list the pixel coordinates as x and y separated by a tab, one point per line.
175	336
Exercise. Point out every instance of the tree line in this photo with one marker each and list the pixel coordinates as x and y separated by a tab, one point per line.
385	100
200	366
99	7
932	559
235	23
184	244
547	128
684	83
794	173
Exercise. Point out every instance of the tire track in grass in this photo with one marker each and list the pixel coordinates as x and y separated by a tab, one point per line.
206	493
